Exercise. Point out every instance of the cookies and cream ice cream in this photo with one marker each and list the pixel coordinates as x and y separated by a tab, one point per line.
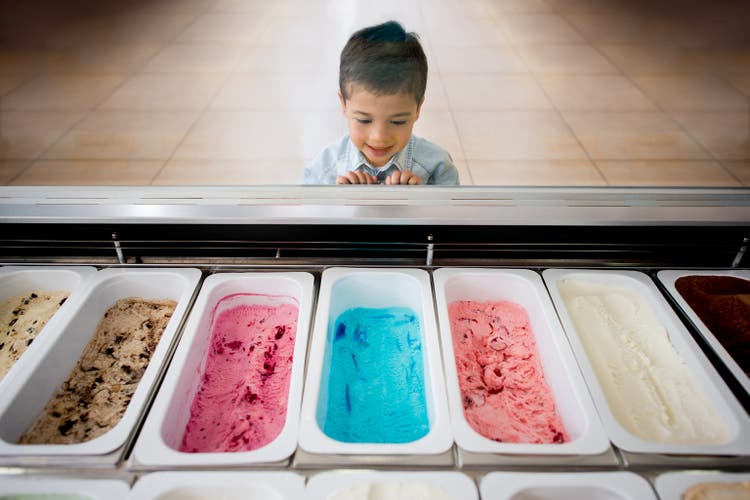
98	390
504	392
649	389
22	318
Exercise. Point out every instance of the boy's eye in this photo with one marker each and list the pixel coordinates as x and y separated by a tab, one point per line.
363	120
398	122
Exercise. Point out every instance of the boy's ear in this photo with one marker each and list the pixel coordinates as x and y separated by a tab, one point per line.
419	107
343	102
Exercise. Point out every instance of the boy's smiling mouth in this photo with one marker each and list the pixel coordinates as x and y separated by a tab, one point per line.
379	151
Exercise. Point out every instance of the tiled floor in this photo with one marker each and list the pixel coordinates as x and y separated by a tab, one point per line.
521	92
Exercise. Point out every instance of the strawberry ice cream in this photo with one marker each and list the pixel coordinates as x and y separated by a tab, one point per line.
505	395
242	400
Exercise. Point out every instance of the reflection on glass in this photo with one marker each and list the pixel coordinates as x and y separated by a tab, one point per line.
547	92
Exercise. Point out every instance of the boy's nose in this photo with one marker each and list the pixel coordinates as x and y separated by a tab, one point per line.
379	132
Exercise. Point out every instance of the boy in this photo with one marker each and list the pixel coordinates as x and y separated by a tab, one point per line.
382	80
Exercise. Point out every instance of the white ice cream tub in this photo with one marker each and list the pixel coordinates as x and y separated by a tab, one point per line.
41	379
565	486
572	400
160	438
673	485
668	279
345	288
203	485
16	280
87	489
707	380
455	485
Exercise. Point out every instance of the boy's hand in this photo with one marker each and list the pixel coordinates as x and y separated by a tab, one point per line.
356	177
402	177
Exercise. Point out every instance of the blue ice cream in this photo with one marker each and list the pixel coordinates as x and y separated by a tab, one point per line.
376	387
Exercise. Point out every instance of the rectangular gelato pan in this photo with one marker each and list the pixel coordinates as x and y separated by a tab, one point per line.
31	310
359	485
119	359
202	485
653	387
494	353
36	487
740	341
374	383
683	485
562	485
239	363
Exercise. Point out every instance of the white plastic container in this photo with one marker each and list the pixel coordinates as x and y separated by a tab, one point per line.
86	489
345	288
160	438
41	379
707	380
201	485
572	400
16	280
668	279
455	485
565	486
673	485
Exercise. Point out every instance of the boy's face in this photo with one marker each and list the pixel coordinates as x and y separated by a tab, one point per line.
379	125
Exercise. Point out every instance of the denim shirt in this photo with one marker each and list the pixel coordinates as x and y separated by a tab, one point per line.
428	161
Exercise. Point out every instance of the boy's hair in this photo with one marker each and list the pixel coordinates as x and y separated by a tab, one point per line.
385	59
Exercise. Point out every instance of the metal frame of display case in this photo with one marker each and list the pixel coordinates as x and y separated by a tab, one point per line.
221	228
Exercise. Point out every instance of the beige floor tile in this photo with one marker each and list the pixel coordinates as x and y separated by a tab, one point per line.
10	169
26	134
261	135
89	173
220	28
666	173
586	6
539	28
288	60
614	28
9	83
648	59
692	93
729	61
516	135
494	92
270	92
174	6
104	58
535	173
725	135
477	60
230	172
500	8
130	28
439	127
466	33
594	92
257	7
195	58
632	135
434	96
124	135
62	92
565	59
464	175
165	92
741	83
283	31
442	11
26	60
740	169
